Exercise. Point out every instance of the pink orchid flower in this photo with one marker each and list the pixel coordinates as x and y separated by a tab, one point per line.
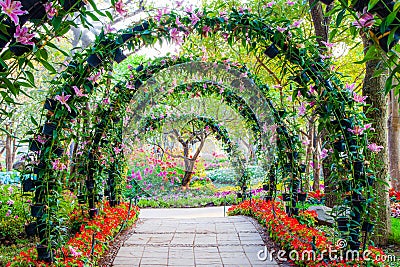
79	92
357	130
12	9
50	10
324	153
194	19
364	20
176	36
119	7
359	98
63	100
290	3
73	252
374	147
22	36
302	109
280	29
271	4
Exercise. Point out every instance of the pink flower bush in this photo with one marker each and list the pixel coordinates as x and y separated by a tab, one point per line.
12	9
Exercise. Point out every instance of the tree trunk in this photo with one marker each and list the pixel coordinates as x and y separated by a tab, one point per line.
393	141
373	88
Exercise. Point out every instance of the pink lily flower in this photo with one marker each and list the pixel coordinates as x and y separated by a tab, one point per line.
12	9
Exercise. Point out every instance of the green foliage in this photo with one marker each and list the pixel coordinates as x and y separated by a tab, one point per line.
228	175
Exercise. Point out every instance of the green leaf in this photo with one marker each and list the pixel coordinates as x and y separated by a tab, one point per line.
109	15
44	53
371	54
29	77
47	65
389	19
372	3
388	84
34	121
378	73
340	17
95	8
56	22
93	16
50	44
10	86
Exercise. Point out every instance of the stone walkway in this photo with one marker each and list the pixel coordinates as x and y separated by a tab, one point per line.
192	237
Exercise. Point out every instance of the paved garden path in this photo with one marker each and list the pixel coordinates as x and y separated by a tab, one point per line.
192	237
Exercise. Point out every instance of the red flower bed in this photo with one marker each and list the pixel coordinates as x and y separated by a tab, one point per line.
78	250
291	235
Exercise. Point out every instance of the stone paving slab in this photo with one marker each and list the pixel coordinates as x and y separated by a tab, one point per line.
192	238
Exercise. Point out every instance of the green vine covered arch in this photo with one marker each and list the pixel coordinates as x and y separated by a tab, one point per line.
319	88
